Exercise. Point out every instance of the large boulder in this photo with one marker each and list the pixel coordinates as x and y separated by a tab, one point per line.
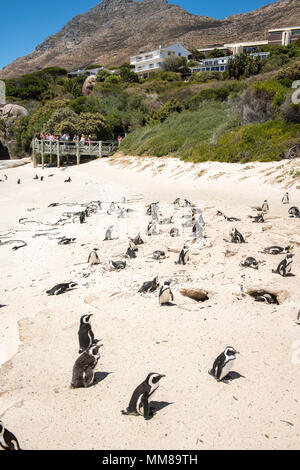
89	84
11	112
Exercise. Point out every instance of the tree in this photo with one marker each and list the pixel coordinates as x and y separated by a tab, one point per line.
216	53
128	75
93	124
196	55
173	63
243	65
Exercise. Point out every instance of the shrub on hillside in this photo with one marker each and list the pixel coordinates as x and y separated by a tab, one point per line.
209	94
173	63
289	74
291	113
160	115
203	77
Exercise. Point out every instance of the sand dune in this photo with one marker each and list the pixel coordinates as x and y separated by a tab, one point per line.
259	409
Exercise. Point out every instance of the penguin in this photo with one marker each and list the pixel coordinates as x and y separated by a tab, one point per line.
19	181
167	220
85	333
8	440
174	232
265	297
285	199
137	240
68	180
108	233
151	229
250	262
117	265
265	206
36	177
82	217
294	212
223	363
130	253
236	236
66	241
276	250
153	207
61	288
176	203
132	245
139	402
187	203
83	369
165	295
42	178
158	254
231	219
285	265
93	257
183	256
53	204
257	218
149	286
5	177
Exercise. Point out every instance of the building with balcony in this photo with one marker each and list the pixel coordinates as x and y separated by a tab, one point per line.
221	63
283	36
149	62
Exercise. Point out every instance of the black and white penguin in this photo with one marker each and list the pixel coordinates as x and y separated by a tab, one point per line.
151	229
231	219
294	212
68	180
236	236
93	257
165	295
149	286
36	177
8	440
84	367
266	297
176	203
187	203
285	199
174	232
167	220
158	254
108	233
276	250
130	253
132	245
42	178
117	265
265	206
66	241
5	177
82	217
19	181
61	288
223	363
183	256
285	265
85	333
257	218
139	402
137	240
250	262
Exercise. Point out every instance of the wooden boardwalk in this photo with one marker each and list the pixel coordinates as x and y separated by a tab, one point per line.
60	148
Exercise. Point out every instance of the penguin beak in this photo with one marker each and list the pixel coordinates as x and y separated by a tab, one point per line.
161	375
237	352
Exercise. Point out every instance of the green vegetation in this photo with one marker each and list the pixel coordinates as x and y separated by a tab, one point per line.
243	114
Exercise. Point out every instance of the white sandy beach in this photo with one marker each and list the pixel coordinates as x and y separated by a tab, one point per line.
38	333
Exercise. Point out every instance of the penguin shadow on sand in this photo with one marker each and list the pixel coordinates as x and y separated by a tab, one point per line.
232	375
100	376
157	406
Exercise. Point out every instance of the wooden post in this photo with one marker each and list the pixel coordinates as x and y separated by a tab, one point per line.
33	153
77	153
58	155
42	153
100	148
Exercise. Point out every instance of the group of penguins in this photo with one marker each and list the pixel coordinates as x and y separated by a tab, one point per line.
84	366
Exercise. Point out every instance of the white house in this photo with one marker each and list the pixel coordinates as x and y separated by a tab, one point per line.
148	62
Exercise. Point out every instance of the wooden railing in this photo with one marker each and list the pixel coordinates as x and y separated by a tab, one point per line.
60	148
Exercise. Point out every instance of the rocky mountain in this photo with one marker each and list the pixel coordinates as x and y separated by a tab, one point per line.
114	30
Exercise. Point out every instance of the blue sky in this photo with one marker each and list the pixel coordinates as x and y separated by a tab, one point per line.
24	25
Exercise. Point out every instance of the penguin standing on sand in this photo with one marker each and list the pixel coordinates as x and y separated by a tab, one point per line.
19	181
139	403
265	206
93	257
285	266
82	217
223	363
236	236
85	333
7	439
108	233
183	256
165	295
84	368
285	199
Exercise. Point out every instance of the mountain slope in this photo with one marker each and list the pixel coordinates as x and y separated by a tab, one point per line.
114	30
